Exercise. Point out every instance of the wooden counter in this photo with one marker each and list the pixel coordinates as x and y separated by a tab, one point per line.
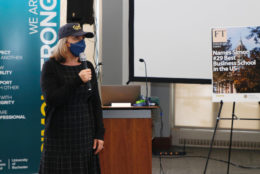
128	141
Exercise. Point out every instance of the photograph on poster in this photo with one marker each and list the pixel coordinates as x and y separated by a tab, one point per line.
236	64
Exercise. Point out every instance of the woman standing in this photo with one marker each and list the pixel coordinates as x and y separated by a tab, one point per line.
74	130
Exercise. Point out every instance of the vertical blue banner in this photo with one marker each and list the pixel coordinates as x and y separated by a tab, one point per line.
28	32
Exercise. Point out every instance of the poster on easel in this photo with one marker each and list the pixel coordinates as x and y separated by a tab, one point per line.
236	64
28	31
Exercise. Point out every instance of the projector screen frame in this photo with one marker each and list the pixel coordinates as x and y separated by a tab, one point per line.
151	79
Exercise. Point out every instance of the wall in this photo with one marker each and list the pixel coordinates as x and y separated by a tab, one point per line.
115	56
194	108
112	42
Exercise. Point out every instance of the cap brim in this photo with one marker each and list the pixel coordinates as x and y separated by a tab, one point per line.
86	34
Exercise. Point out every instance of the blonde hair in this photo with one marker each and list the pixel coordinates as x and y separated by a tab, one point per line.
60	50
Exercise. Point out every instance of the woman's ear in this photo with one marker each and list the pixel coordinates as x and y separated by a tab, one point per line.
68	44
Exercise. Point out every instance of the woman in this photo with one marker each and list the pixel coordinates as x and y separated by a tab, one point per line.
74	130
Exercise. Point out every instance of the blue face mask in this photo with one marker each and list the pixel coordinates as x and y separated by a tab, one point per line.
77	48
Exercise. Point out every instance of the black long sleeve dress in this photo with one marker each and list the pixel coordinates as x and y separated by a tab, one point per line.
73	120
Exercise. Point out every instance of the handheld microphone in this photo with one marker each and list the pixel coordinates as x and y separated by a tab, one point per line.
146	97
83	59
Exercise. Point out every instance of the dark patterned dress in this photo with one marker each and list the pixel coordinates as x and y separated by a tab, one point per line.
73	120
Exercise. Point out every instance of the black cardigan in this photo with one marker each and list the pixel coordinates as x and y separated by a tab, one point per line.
56	92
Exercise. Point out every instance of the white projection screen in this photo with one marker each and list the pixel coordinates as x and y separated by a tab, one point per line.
174	37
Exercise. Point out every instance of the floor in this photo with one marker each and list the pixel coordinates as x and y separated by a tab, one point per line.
195	159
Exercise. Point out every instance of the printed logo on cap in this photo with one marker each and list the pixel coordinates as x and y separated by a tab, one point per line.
77	27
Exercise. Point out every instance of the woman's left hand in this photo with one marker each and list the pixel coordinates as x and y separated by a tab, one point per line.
98	145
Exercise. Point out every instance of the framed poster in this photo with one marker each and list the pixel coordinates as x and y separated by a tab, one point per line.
236	64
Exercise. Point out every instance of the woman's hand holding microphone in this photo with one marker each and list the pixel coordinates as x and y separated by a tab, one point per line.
85	75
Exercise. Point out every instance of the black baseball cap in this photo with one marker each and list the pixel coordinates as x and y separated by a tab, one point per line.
73	29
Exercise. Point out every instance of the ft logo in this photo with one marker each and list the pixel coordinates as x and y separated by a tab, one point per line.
219	35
